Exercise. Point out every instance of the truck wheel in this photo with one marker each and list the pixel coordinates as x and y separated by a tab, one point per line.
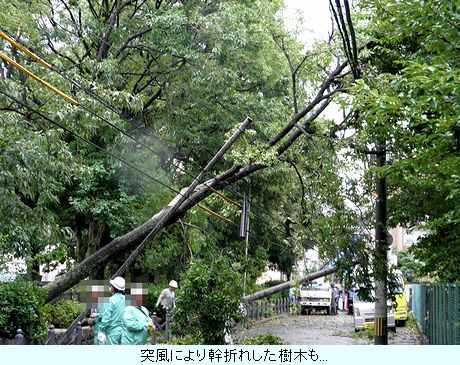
328	310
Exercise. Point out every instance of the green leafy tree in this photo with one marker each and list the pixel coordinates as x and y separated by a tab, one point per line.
407	97
209	300
187	72
21	308
408	265
35	167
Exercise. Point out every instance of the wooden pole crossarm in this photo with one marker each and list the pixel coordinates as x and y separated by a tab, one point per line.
38	79
24	49
214	214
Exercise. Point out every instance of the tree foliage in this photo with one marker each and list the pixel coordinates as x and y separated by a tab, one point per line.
20	307
207	304
408	97
186	72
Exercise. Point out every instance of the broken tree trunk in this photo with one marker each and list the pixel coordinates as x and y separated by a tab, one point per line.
130	240
183	196
285	286
235	173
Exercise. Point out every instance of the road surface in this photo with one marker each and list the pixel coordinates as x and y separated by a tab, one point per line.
322	329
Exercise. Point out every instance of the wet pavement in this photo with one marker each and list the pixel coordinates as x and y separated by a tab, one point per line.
322	329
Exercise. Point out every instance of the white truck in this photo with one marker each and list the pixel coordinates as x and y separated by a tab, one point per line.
316	298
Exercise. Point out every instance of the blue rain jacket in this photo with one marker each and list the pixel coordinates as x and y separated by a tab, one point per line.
135	320
112	319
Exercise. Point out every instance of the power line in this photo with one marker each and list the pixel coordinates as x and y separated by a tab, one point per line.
102	149
118	128
131	120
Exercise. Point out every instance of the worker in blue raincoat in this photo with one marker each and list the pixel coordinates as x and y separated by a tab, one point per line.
111	324
137	321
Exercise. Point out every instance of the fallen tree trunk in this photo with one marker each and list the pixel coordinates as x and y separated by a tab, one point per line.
235	173
285	286
131	239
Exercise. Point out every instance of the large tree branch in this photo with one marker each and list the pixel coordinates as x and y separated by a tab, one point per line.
133	238
299	131
350	51
105	44
319	97
130	39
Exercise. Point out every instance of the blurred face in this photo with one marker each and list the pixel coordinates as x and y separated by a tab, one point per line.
95	295
136	299
92	292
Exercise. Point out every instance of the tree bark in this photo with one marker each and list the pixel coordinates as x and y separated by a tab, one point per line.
284	286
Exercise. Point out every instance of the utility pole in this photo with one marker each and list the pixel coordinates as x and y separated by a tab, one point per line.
183	196
380	259
244	233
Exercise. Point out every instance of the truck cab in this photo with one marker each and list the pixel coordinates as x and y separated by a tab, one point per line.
316	298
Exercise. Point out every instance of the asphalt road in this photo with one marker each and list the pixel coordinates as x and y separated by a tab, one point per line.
322	329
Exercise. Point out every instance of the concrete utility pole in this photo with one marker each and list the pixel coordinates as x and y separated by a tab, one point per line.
244	233
380	259
183	196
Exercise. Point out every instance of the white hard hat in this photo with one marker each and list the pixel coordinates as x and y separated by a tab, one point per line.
173	284
118	283
97	288
138	291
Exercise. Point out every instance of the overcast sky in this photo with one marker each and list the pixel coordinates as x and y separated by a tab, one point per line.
317	19
316	25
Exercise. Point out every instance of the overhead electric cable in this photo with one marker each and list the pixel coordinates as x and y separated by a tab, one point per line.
114	110
107	152
131	120
38	79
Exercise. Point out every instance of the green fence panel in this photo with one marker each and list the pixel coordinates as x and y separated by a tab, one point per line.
456	315
436	308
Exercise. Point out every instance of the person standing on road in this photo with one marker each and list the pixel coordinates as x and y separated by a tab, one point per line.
111	324
165	301
137	321
292	295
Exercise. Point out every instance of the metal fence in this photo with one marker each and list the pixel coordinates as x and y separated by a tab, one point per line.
265	308
436	308
76	337
51	338
166	327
